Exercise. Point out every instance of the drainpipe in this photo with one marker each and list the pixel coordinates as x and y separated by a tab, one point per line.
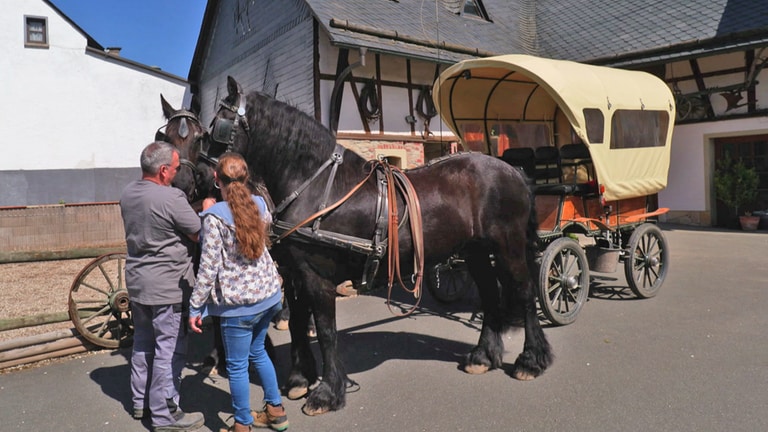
336	93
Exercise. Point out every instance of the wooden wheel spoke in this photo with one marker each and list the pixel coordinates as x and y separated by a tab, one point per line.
102	328
86	301
98	313
107	278
94	288
569	262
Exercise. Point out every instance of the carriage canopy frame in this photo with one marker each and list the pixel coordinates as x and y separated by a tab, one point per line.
624	117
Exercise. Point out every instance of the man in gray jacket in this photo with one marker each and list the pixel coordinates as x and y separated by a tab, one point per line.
160	231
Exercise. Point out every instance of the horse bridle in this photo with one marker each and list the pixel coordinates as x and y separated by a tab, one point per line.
223	131
160	135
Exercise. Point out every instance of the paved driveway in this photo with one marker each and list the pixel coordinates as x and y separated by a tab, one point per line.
695	358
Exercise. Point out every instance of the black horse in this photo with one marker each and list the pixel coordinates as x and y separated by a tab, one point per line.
195	177
471	203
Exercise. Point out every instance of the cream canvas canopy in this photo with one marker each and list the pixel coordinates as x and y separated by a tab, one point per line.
524	88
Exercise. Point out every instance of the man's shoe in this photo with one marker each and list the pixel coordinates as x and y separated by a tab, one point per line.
185	422
141	413
271	416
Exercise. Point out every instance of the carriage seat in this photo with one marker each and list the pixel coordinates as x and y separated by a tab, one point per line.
577	168
548	173
548	168
521	157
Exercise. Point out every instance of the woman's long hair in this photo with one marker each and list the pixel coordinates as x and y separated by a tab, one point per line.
250	228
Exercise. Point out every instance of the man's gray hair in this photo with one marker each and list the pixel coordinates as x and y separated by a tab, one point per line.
155	155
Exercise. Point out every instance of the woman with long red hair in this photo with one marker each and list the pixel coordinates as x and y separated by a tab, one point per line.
238	281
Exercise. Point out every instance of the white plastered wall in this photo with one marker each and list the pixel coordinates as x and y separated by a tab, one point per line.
691	164
67	108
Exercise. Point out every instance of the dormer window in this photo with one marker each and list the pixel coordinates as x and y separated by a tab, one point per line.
35	32
474	8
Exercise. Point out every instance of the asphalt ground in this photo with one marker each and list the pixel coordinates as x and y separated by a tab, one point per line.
694	358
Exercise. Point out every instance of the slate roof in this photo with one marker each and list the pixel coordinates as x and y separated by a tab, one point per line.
611	32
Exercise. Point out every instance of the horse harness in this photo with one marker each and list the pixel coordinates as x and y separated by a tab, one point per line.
390	180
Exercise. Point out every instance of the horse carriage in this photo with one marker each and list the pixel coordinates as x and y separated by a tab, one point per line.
595	144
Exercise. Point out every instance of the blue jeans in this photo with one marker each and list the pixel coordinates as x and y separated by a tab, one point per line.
243	339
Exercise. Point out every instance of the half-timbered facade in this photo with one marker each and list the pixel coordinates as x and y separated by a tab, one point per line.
364	67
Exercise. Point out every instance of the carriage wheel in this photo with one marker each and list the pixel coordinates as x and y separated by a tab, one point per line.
98	302
449	281
563	281
647	260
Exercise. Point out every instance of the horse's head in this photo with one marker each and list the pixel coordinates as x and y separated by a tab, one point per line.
229	129
184	131
281	142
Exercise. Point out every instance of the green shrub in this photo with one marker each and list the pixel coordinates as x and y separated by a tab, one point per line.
735	184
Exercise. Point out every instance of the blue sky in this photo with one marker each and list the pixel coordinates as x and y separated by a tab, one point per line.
159	33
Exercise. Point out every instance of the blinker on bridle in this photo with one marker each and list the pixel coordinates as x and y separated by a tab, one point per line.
223	131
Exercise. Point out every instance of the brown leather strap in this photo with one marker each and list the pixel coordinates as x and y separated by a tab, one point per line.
397	180
327	209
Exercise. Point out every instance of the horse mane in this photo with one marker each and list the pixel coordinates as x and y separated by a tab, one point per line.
289	138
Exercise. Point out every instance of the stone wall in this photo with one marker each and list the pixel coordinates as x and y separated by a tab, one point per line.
60	231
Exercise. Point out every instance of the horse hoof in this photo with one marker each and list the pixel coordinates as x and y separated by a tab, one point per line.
281	325
297	393
346	289
313	411
524	376
475	369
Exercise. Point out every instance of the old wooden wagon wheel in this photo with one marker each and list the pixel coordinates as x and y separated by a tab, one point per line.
98	302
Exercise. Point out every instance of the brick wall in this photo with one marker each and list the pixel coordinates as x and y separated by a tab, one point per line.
60	231
411	154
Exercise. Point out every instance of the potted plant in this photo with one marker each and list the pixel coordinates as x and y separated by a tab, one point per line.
736	186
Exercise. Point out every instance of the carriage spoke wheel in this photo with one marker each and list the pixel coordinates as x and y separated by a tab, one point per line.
99	306
647	260
563	281
449	281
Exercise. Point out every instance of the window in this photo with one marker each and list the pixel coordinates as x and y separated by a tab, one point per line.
474	8
593	119
634	128
35	32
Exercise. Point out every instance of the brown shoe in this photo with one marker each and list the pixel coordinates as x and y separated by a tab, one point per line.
237	427
271	416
